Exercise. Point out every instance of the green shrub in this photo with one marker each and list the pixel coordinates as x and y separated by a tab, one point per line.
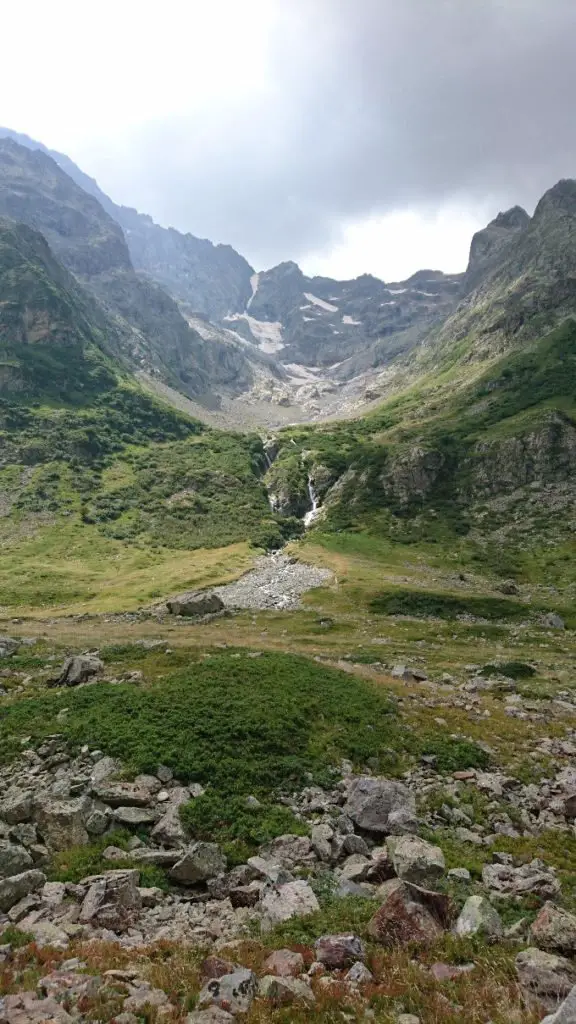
12	936
228	820
446	606
512	669
455	755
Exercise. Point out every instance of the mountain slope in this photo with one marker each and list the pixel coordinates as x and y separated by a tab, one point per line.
34	190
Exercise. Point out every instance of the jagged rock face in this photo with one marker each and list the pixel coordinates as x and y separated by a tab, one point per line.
487	244
546	454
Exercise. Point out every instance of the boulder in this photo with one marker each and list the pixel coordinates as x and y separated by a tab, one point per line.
566	1013
15	888
269	871
534	878
410	914
284	963
200	862
289	850
232	992
321	838
546	975
16	806
169	831
195	605
339	951
415	860
355	868
553	621
381	805
8	646
26	1008
358	975
134	817
554	930
123	794
283	991
13	859
478	917
78	669
113	900
295	899
213	1015
61	823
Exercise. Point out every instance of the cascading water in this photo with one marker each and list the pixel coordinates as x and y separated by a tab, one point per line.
312	514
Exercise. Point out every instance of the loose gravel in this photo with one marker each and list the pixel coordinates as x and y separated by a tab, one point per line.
276	582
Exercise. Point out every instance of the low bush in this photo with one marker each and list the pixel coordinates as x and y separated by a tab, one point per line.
238	827
446	606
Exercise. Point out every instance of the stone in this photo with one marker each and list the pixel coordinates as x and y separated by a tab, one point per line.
358	974
355	868
193	605
164	774
133	817
142	998
216	967
26	1008
61	823
283	991
16	806
548	976
123	794
45	933
295	899
478	917
270	871
534	878
213	1015
232	992
554	930
284	963
381	805
78	669
289	850
566	1013
553	621
97	822
113	900
200	862
338	951
169	831
415	860
13	859
321	837
161	858
407	1018
460	874
410	914
15	888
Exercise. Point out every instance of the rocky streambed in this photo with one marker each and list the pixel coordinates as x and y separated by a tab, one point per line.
276	582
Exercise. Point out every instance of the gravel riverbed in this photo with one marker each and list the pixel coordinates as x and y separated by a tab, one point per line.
275	582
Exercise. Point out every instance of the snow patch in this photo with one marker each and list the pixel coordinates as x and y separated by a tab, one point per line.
397	291
268	334
254	282
320	303
351	321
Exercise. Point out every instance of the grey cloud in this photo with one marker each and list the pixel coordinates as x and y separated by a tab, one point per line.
376	105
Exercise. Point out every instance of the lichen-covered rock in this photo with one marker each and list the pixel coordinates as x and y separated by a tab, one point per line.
478	917
78	669
13	859
200	862
546	975
232	992
554	930
295	899
61	823
15	888
339	951
195	605
410	914
381	805
415	860
283	991
113	900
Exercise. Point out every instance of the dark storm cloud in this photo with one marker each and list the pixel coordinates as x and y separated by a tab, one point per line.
376	105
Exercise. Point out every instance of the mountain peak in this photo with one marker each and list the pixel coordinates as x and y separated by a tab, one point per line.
560	198
488	243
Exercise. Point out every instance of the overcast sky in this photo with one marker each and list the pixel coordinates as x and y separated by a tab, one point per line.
350	135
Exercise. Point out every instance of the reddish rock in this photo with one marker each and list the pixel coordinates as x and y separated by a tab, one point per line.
554	930
216	967
338	951
284	963
410	914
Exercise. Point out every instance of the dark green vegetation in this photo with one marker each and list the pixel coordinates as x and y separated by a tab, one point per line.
238	723
80	862
446	606
512	669
238	826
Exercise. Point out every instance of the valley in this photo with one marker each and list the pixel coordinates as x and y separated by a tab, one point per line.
287	617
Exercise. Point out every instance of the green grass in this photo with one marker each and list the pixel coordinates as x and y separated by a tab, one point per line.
240	829
78	862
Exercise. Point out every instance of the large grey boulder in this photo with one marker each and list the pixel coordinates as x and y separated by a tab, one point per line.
283	991
295	899
478	917
535	878
554	930
565	1014
381	805
78	669
16	806
124	794
232	992
546	975
200	862
134	817
415	860
15	888
62	823
113	900
13	859
195	605
170	831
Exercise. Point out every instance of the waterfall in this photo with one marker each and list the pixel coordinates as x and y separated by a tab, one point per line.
312	514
